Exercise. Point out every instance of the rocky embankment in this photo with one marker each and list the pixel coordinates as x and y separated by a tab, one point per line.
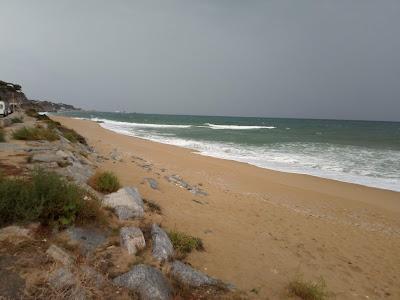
124	255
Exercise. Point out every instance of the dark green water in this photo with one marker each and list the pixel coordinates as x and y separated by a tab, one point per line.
361	152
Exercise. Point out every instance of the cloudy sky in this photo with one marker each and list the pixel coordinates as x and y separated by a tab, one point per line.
317	59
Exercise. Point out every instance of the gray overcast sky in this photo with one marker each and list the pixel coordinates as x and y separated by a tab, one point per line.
318	59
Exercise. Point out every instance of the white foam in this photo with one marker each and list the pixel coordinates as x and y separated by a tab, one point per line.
237	127
143	125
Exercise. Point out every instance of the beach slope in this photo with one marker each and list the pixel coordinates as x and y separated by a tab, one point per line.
262	228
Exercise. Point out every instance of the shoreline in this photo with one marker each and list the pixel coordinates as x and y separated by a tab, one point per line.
372	182
261	226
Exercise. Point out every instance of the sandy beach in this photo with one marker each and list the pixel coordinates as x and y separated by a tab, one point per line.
262	228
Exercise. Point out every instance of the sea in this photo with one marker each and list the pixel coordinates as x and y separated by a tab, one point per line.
361	152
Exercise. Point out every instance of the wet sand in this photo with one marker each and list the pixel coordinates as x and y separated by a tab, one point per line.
263	228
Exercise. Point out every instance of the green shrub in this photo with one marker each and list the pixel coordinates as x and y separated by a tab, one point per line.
184	243
2	138
105	182
16	120
308	290
44	197
35	133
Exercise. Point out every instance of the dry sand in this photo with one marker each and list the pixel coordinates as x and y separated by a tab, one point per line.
263	228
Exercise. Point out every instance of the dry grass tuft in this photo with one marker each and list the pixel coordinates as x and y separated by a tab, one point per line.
104	182
152	206
308	290
184	243
35	134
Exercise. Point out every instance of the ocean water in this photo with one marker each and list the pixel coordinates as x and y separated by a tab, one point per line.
361	152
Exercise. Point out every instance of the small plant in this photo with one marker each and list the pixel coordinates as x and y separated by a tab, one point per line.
153	207
105	182
16	120
35	133
184	243
2	138
308	290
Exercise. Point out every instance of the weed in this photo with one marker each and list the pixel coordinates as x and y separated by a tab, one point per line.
184	243
17	120
308	290
2	138
105	182
153	207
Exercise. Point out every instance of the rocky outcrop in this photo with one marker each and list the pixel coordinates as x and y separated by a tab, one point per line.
126	202
189	276
147	281
132	239
162	246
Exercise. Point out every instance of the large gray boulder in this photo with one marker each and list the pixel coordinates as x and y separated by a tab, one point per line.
77	171
189	276
132	239
126	202
147	281
162	246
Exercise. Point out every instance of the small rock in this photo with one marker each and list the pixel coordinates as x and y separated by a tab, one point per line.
162	246
189	276
62	278
126	202
153	183
132	239
147	281
60	255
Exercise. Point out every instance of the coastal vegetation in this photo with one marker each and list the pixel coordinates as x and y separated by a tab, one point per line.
68	133
308	290
16	120
104	182
35	133
2	138
152	206
184	243
45	197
